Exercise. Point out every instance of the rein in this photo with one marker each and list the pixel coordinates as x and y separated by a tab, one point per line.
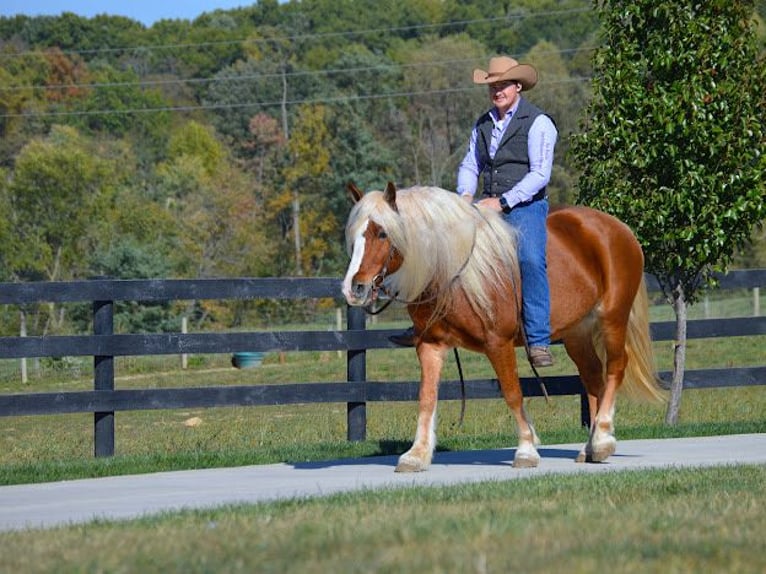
377	283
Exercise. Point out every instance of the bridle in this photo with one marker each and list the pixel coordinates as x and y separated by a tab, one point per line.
377	285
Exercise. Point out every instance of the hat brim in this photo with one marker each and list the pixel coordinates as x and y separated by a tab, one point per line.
525	74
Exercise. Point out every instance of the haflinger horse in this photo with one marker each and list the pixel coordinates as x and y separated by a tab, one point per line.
455	265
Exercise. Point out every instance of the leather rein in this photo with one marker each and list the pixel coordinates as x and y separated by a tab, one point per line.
377	285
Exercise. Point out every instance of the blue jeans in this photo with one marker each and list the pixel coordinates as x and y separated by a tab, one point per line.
529	220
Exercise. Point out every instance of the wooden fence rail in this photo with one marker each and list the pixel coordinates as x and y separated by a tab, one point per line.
104	345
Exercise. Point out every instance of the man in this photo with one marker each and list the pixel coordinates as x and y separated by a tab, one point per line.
511	148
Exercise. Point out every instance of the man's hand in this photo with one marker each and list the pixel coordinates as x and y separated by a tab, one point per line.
491	203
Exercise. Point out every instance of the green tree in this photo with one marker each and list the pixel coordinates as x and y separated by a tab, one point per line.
562	97
198	141
674	140
442	108
57	196
57	190
310	226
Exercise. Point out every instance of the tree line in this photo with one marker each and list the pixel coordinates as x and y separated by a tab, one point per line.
221	146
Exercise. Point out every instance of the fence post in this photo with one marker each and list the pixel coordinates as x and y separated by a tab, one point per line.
23	333
103	379
356	369
184	330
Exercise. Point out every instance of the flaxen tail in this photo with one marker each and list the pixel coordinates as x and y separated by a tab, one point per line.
641	381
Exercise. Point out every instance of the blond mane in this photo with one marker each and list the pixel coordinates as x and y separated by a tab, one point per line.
447	245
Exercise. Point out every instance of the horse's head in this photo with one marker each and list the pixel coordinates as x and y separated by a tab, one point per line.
373	255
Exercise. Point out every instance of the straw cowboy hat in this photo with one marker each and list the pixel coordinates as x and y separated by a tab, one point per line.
503	68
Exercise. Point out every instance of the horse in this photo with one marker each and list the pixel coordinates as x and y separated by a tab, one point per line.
454	264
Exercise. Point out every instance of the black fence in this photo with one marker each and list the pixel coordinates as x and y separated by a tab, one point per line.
104	345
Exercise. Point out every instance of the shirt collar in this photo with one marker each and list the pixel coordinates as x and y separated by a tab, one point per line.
508	116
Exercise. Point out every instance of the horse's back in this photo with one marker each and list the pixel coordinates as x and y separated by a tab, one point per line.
593	260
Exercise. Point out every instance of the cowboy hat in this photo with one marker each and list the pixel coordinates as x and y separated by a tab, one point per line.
503	68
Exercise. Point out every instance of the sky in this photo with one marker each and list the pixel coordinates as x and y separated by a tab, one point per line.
145	11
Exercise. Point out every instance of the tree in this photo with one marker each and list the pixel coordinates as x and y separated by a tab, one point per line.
309	161
443	105
57	191
674	141
196	140
561	96
58	194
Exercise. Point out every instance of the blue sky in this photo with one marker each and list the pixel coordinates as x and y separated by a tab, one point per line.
145	11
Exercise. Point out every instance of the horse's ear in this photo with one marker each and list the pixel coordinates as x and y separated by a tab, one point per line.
355	193
390	196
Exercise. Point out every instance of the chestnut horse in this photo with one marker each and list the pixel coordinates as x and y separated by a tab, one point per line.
454	264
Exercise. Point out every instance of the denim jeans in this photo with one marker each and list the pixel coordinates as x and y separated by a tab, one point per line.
529	220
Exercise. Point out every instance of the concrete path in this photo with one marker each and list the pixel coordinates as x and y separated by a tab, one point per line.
125	497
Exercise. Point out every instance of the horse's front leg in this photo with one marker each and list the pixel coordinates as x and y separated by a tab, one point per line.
504	362
418	458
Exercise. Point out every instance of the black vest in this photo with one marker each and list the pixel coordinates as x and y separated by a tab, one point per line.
511	161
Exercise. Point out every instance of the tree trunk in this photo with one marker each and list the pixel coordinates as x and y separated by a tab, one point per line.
297	234
285	128
679	356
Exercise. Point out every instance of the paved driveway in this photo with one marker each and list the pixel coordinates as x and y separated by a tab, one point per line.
124	497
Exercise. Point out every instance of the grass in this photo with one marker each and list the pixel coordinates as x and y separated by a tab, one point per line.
44	448
673	520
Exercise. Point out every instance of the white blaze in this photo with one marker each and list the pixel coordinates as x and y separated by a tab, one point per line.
356	260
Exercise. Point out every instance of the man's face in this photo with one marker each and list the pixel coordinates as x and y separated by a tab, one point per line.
504	95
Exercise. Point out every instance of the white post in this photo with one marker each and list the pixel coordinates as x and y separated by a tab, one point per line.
23	333
339	325
184	330
756	301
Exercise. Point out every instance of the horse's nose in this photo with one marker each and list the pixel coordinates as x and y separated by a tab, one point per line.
357	293
360	289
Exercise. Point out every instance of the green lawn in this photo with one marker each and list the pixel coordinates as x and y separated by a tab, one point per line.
675	520
51	447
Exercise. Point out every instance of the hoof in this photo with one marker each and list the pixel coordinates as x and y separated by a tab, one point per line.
410	464
604	450
599	452
525	462
526	459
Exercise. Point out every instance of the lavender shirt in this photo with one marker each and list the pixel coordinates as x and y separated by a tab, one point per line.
541	141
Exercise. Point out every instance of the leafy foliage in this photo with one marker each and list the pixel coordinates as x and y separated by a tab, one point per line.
674	139
223	145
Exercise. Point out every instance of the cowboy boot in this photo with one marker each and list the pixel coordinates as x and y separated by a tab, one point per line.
540	356
404	339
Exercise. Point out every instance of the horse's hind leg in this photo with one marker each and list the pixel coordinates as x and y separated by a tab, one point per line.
601	443
504	363
418	458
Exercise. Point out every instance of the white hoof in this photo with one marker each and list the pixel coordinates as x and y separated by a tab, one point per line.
410	463
604	448
598	451
526	457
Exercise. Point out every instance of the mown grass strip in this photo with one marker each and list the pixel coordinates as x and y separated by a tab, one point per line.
671	520
48	471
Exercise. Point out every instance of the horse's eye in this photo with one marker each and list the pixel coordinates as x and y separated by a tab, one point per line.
382	234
